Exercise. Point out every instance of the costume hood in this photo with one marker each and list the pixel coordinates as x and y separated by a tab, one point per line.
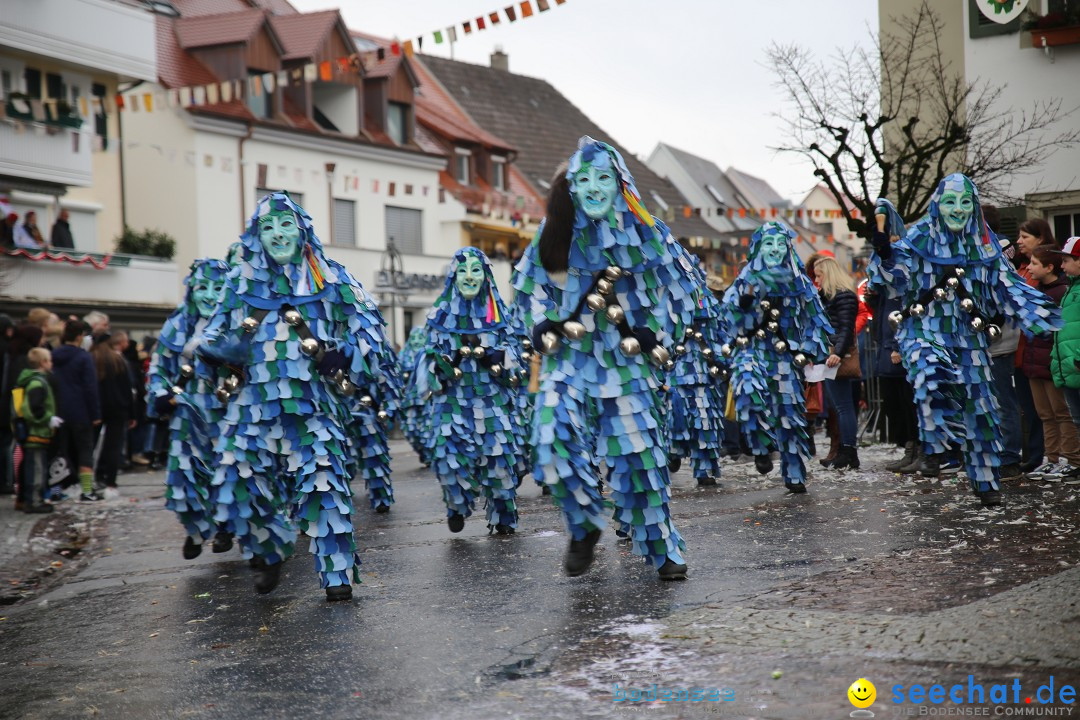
932	240
452	313
787	279
178	325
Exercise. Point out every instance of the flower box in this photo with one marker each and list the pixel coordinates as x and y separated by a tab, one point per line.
1052	37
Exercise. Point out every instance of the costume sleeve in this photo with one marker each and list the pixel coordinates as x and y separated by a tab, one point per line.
533	289
1028	308
890	265
36	396
164	369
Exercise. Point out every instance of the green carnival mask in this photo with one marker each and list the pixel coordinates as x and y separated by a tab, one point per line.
774	249
595	187
206	294
469	277
956	208
280	234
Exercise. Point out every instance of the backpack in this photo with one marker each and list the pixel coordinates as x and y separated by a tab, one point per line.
19	427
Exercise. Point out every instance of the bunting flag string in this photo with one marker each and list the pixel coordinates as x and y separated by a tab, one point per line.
98	261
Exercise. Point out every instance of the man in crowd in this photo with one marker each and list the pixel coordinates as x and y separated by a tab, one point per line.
61	237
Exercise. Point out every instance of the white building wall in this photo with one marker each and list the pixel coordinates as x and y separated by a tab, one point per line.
1026	76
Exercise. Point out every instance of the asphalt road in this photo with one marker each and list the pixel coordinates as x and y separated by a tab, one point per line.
789	600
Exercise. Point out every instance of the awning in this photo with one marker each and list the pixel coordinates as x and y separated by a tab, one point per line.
9	183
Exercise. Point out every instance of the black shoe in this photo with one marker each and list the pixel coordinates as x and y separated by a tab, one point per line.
671	570
811	444
338	592
990	498
545	490
500	529
382	509
1031	465
7	490
255	563
579	555
622	534
192	549
827	462
90	497
847	457
1011	472
707	482
456	523
763	463
223	542
267	577
911	451
674	464
931	466
42	509
795	488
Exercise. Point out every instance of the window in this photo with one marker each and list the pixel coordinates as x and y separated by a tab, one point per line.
716	195
261	105
462	169
1066	224
404	228
101	120
55	87
344	223
498	172
260	193
659	201
397	122
32	77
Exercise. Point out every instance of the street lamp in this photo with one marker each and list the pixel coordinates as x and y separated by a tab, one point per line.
392	266
330	194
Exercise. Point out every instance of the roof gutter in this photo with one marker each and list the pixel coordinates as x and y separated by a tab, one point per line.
243	163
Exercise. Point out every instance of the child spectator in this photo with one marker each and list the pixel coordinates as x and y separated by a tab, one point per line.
1065	361
1062	446
35	418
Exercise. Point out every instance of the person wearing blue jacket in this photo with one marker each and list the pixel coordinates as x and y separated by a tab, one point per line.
77	402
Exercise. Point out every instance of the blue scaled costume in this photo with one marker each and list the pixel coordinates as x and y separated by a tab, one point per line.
956	289
774	326
414	417
299	343
372	415
471	366
697	406
181	384
605	324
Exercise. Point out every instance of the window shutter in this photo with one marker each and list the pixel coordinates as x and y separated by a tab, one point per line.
1011	218
344	222
405	227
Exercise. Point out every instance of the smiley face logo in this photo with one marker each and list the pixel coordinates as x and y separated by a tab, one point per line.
862	693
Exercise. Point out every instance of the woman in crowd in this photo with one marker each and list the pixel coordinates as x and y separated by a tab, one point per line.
115	396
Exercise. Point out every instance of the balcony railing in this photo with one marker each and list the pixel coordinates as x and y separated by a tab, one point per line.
89	278
47	154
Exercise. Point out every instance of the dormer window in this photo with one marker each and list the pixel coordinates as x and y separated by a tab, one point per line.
397	122
261	104
463	166
498	172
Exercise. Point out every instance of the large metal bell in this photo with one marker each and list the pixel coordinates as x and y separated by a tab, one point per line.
895	318
800	360
993	331
231	383
659	355
249	324
573	330
698	335
669	365
479	352
707	352
680	349
221	394
383	416
977	324
293	317
309	346
465	351
725	350
613	273
346	388
615	314
496	370
742	341
967	305
595	302
953	283
760	334
526	356
940	294
714	371
765	305
177	390
772	326
366	401
514	381
774	314
630	346
549	343
458	373
959	272
917	310
780	346
527	344
406	375
186	370
604	286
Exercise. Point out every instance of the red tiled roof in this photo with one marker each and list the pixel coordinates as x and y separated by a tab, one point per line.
303	34
193	8
426	142
373	66
222	29
175	67
440	113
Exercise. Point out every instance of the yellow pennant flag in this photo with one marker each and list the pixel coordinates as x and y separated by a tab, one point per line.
83	107
148	102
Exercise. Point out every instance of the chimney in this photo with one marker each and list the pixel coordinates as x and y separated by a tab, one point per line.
500	60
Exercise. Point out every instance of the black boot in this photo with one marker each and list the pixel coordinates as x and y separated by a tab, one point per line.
990	498
223	542
763	463
579	555
500	529
795	488
671	570
382	509
192	549
707	482
911	451
338	592
916	462
847	457
674	463
456	522
811	444
931	466
267	577
545	490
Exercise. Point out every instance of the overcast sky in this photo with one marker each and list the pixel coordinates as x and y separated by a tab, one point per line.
690	73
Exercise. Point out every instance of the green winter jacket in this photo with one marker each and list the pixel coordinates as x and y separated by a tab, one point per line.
38	407
1067	341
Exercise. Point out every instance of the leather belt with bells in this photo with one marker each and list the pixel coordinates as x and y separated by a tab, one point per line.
310	346
769	324
231	384
716	370
600	297
950	282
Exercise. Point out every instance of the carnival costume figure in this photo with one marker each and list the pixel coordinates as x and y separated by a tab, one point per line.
181	386
956	290
472	368
775	326
372	416
697	406
606	298
298	341
414	417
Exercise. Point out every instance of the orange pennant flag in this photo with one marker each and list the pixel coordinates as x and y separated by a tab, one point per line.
148	102
526	9
408	48
687	211
326	70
